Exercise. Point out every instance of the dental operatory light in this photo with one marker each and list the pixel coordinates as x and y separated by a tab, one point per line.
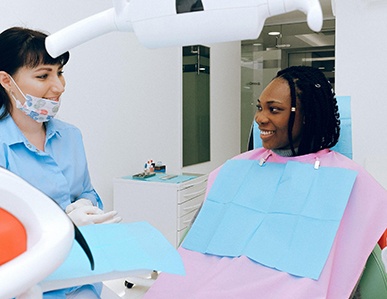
165	23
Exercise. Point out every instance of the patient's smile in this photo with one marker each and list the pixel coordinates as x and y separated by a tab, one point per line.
267	132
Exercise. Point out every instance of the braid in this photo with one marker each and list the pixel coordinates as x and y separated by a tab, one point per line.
319	106
293	99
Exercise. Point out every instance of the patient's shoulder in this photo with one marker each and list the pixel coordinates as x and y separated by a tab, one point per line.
254	154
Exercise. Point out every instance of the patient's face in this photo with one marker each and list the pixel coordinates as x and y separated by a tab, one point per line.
272	116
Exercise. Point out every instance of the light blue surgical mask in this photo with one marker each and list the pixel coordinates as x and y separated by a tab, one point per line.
39	109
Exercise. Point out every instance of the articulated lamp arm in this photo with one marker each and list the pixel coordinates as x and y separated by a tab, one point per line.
163	23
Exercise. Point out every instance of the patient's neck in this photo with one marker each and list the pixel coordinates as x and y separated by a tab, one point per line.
284	152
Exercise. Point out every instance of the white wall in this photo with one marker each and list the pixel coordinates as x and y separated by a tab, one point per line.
361	64
225	94
126	99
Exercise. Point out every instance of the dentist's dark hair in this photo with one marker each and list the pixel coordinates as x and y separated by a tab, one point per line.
23	47
319	108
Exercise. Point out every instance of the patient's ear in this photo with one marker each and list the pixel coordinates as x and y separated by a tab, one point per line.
5	80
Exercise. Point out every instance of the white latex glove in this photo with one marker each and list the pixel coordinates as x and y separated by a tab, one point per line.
78	203
384	257
82	212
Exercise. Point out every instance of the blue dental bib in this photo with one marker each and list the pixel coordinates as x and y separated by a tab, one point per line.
283	216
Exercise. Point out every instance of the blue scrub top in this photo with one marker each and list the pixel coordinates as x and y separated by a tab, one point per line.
60	171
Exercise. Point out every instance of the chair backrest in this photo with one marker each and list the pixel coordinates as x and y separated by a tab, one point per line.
373	283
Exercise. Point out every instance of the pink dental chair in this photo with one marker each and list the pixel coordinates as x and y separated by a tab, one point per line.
373	283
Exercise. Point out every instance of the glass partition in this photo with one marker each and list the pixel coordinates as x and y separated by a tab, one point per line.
196	105
277	47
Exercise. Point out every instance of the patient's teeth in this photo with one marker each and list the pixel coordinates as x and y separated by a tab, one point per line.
267	132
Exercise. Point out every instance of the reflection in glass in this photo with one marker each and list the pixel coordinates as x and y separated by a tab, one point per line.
196	105
183	6
293	44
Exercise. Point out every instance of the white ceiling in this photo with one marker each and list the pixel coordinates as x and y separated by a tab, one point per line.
295	32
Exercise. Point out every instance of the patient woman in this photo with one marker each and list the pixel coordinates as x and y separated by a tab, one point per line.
46	152
298	119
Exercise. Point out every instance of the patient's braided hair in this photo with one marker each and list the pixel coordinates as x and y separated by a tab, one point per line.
321	127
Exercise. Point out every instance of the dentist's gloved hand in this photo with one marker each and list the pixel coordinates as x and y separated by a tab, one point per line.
82	212
77	204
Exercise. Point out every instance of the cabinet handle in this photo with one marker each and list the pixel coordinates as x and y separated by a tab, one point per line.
187	221
204	182
194	194
192	207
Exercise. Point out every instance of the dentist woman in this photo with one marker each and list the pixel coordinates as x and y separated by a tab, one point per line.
46	152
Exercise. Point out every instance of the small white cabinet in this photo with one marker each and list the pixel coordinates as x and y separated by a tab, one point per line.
168	205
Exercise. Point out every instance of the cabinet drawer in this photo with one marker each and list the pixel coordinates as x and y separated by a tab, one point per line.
184	221
189	206
192	191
